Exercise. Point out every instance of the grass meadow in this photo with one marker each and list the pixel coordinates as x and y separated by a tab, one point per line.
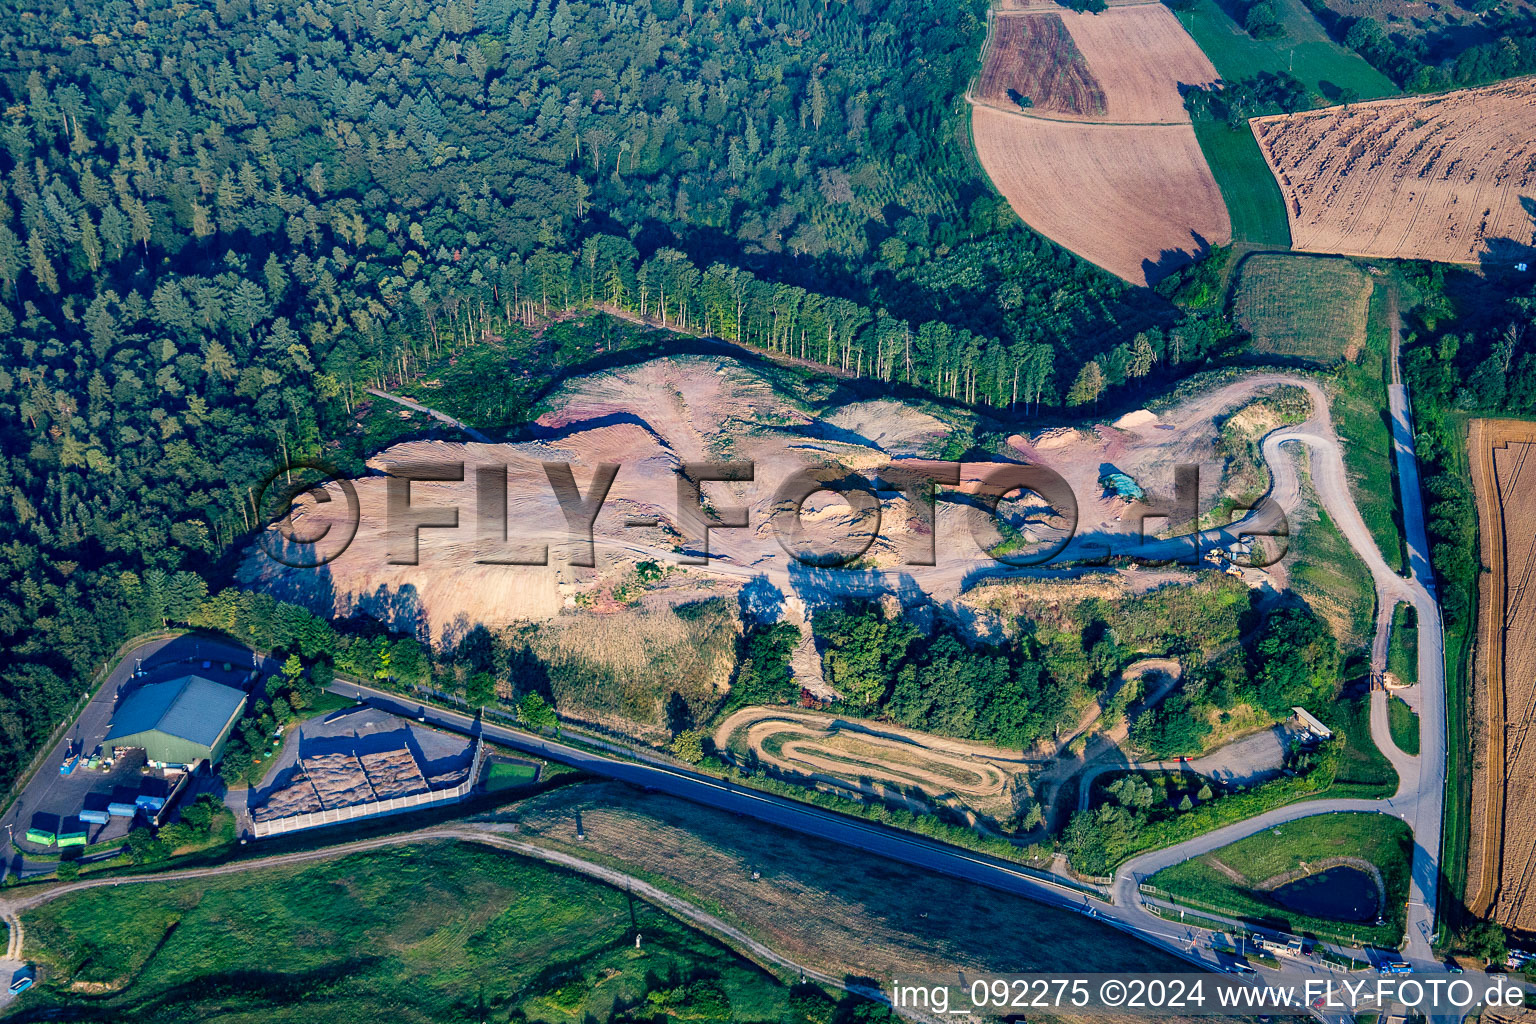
1359	405
1247	187
1327	69
1404	725
430	933
1363	770
1230	887
1325	570
1306	309
1403	647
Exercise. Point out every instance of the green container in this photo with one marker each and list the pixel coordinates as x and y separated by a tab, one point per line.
73	838
41	838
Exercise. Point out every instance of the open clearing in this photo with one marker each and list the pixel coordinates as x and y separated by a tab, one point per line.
1303	308
1124	65
1104	162
1438	178
1253	199
879	919
434	932
1304	50
1138	200
1502	854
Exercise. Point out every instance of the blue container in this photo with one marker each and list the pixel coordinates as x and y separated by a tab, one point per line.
150	803
94	817
122	810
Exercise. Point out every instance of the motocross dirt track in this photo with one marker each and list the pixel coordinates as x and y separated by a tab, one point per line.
1417	177
876	758
1502	851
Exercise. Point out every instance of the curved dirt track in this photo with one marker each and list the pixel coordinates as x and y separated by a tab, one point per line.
876	759
1419	799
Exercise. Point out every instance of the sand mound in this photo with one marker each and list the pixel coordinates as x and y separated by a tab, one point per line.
894	428
1059	438
1132	420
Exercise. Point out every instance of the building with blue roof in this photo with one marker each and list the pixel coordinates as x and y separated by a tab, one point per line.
177	723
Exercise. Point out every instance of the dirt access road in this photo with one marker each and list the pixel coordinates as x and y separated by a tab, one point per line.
1420	797
487	834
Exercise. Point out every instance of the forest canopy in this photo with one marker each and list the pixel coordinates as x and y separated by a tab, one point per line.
220	224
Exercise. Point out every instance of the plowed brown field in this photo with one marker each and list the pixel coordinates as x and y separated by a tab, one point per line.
1141	55
1137	200
1125	65
1437	178
1502	856
1034	56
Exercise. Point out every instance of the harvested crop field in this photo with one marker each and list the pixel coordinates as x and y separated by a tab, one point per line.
1303	307
1138	200
1502	851
880	760
1141	56
1436	178
1124	65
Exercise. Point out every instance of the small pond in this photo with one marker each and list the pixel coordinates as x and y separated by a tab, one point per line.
1337	894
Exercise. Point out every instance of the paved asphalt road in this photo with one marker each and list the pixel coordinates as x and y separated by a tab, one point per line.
1419	800
1420	797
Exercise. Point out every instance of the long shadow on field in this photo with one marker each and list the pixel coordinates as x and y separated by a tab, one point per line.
1170	260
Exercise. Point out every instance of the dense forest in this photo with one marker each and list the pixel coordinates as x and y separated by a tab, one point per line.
1499	43
219	223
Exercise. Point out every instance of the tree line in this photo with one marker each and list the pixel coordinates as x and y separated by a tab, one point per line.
219	224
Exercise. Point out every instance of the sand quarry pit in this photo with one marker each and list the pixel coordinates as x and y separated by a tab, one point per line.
1435	178
1502	852
1103	159
650	418
878	759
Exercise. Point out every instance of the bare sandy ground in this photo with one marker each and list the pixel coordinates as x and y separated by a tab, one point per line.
651	418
